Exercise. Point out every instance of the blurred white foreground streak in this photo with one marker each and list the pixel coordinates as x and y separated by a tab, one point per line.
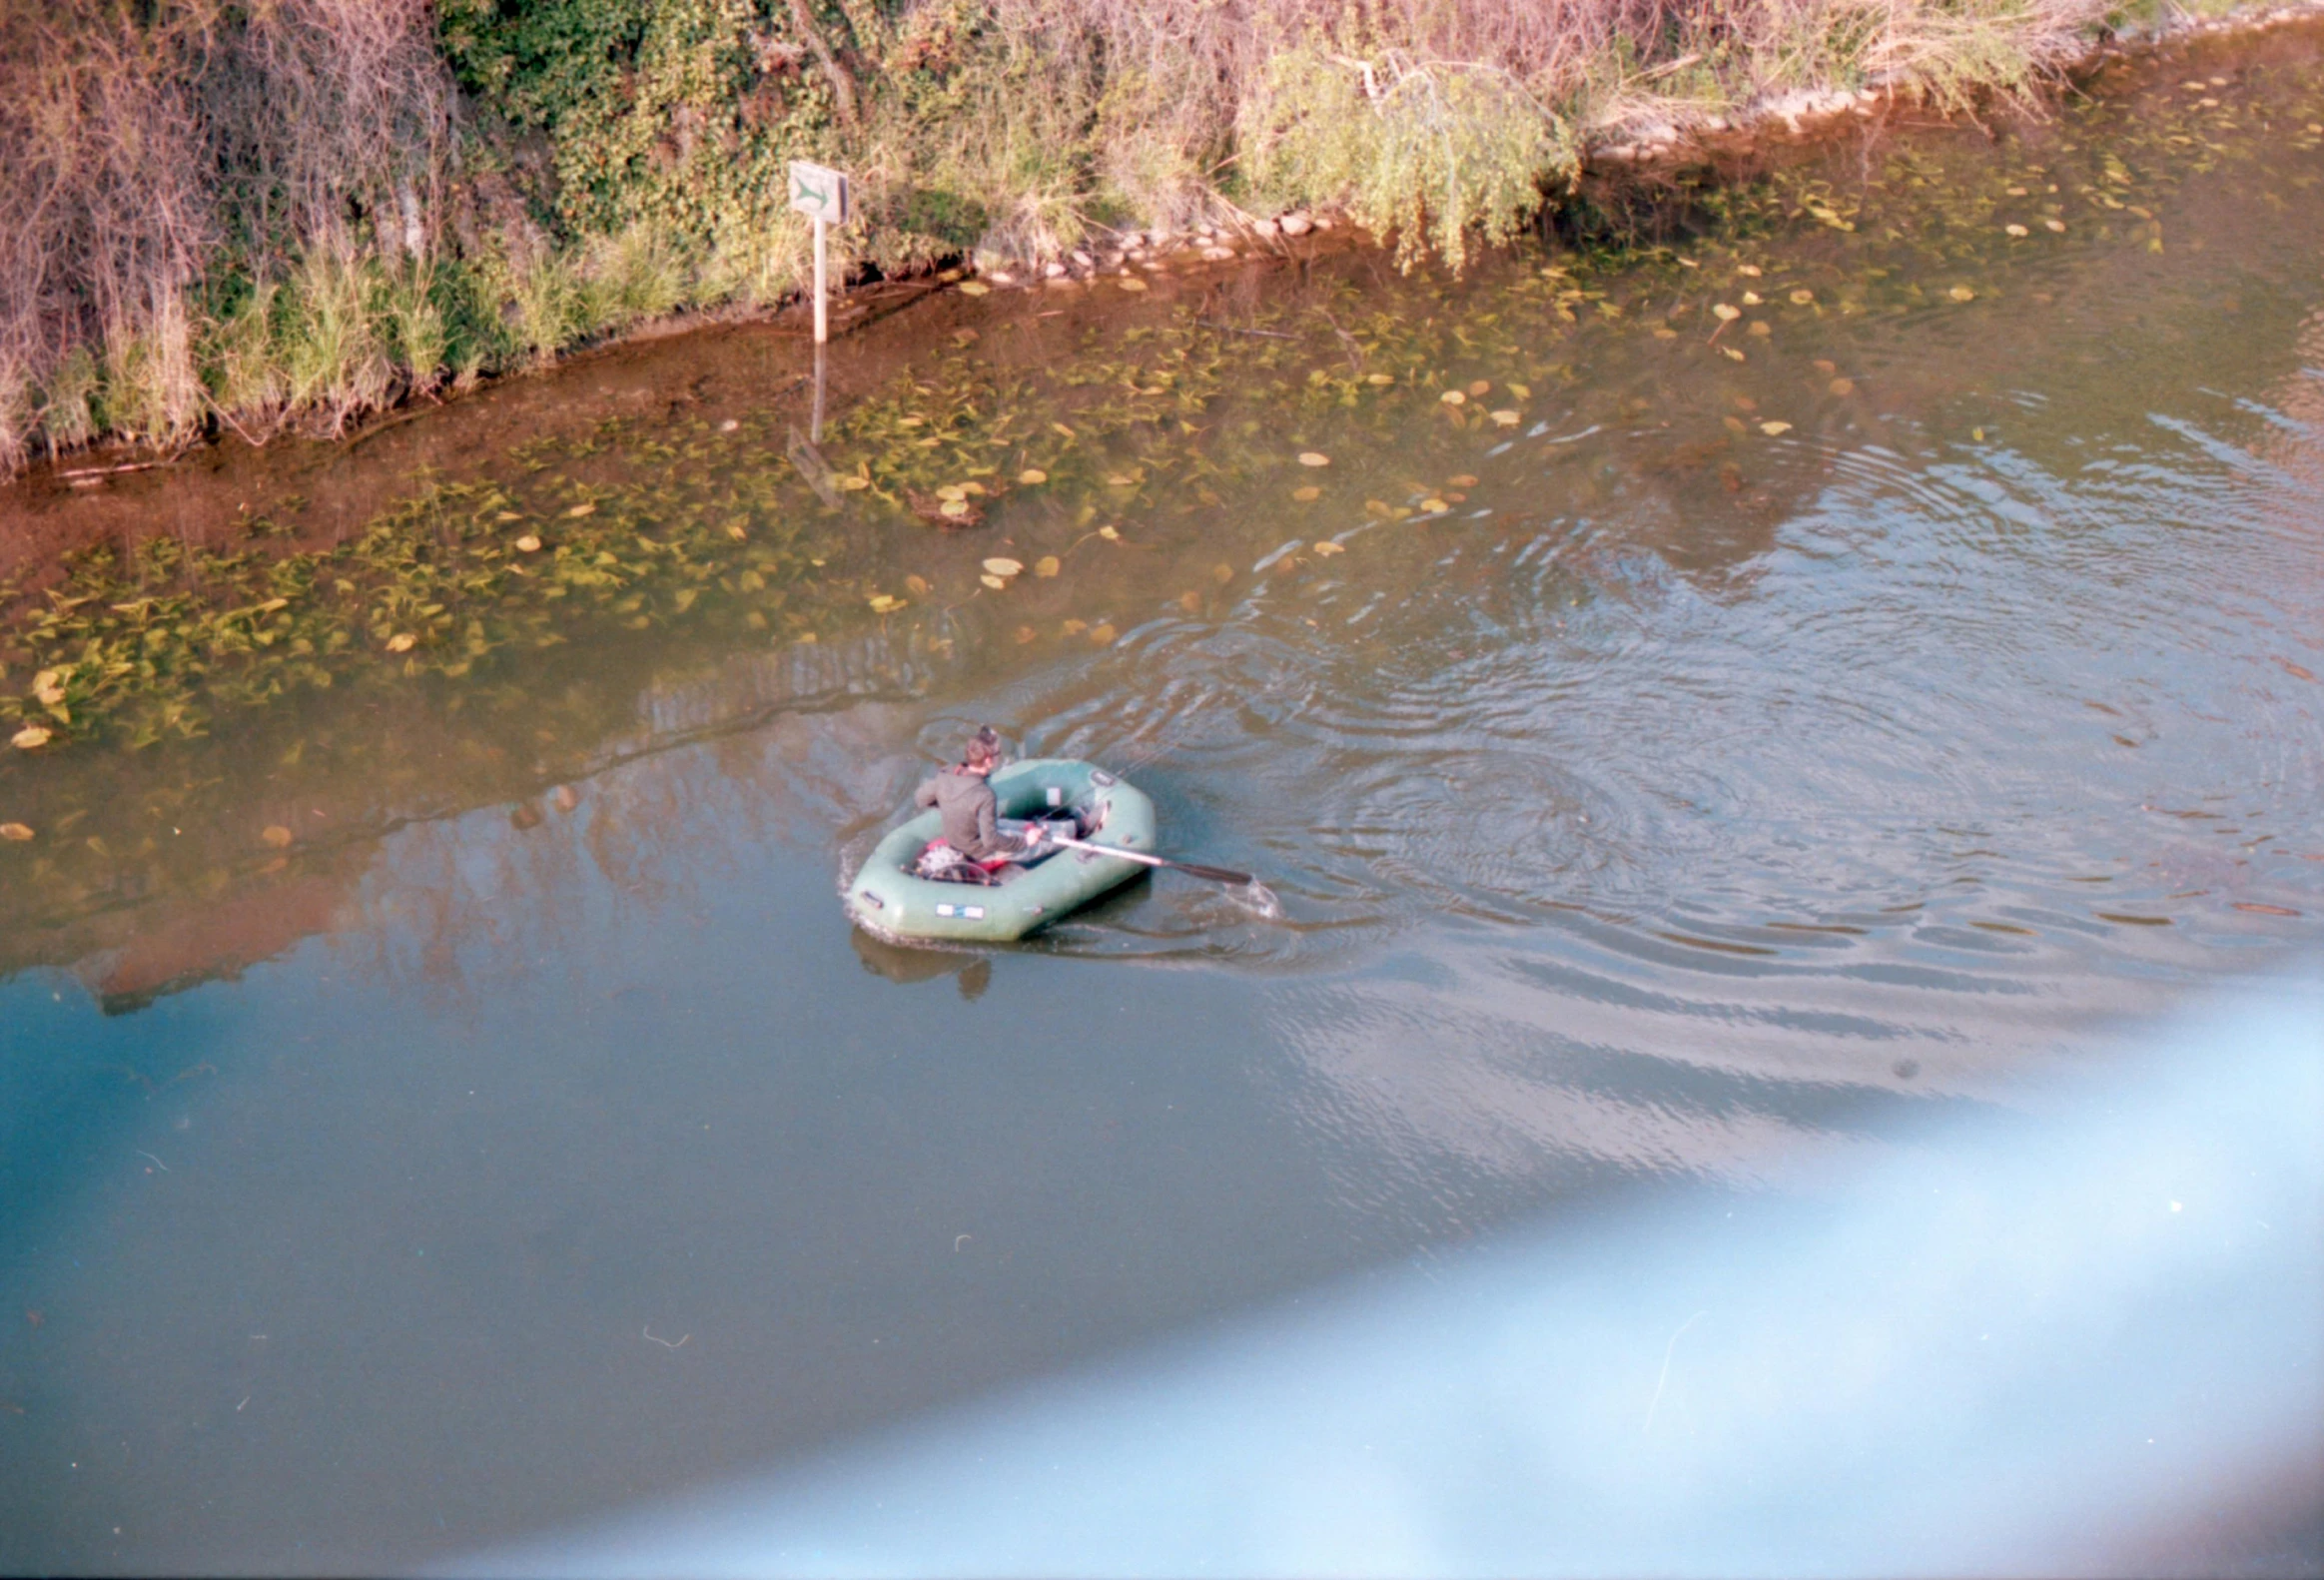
2086	1343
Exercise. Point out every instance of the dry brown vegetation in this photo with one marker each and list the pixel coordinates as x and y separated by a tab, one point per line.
245	212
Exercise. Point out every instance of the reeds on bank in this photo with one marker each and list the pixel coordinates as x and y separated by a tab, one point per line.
250	213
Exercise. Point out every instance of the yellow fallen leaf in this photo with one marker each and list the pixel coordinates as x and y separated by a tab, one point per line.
1481	386
1665	332
973	288
15	831
883	603
850	483
1308	494
1380	378
1074	627
1731	354
1841	386
1961	294
737	531
1506	419
1434	506
1521	392
952	490
1109	534
401	642
1462	481
1760	326
1120	479
1048	566
1453	397
916	585
955	508
1801	299
1733	424
973	486
1131	283
1191	601
1753	270
1774	430
2017	230
994	582
1026	633
1002	567
1223	574
1326	549
1101	635
509	515
31	735
1726	312
1752	298
1032	476
275	835
528	545
580	510
47	688
1311	457
2056	225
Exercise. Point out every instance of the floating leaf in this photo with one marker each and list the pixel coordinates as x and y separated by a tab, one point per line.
1731	354
1109	534
1032	476
994	582
1223	574
1380	378
1774	430
528	545
2056	225
1961	294
1102	636
1074	627
1046	565
851	484
1506	419
1307	494
1752	298
916	585
1841	386
885	603
1310	458
1131	283
1481	386
950	491
1004	567
973	288
1464	480
2015	229
402	643
955	508
1725	312
15	832
1802	297
1026	633
1753	270
31	735
1453	397
1192	602
47	688
580	510
2256	908
1434	506
1328	548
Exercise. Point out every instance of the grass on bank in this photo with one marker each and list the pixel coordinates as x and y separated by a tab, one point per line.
225	215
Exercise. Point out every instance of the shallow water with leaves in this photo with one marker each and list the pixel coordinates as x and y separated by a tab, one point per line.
1706	709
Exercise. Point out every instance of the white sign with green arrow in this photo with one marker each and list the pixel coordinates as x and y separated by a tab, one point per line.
820	193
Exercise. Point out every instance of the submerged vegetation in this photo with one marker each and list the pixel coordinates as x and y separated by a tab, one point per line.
246	214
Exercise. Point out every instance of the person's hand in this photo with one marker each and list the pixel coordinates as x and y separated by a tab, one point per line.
1034	833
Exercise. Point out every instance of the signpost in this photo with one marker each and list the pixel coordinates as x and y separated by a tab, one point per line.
821	194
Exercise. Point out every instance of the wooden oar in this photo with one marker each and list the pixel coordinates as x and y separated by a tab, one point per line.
1191	867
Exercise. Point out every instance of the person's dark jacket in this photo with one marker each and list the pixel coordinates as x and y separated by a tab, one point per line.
970	812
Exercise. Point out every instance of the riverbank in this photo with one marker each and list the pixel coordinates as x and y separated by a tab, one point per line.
569	175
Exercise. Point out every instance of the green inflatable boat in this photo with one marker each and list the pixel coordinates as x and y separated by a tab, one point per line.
887	900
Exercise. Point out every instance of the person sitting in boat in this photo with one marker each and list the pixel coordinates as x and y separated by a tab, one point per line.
971	816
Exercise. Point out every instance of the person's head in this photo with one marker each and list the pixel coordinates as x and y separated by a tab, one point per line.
984	751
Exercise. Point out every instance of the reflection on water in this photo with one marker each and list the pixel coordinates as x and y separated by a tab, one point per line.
1669	766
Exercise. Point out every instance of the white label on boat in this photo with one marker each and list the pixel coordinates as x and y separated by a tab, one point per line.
973	913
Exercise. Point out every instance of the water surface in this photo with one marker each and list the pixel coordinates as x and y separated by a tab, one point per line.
1680	772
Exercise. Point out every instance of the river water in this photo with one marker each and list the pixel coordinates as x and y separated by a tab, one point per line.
433	1110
